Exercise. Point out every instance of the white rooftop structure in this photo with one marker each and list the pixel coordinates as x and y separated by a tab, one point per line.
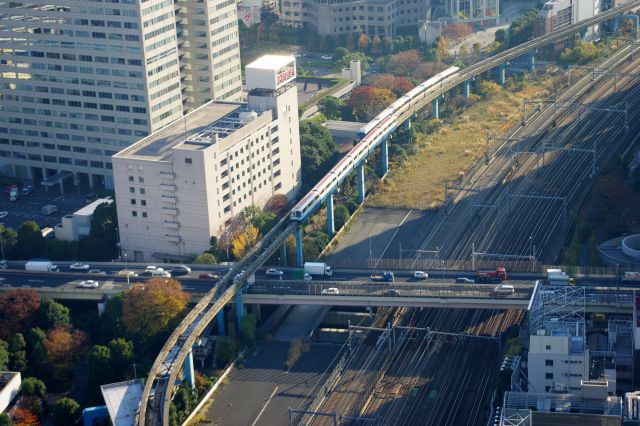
76	225
122	400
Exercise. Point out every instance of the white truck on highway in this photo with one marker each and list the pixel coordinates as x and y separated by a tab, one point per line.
559	277
317	268
41	266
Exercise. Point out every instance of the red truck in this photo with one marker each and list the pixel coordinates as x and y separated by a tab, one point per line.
488	276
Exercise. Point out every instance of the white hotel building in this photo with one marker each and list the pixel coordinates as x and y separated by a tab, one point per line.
181	185
80	80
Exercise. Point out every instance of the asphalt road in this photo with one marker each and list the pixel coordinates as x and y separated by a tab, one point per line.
261	392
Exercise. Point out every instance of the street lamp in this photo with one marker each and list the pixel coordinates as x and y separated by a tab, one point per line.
370	252
126	267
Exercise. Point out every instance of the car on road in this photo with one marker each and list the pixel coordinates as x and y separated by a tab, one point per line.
464	280
330	290
79	266
327	57
273	272
420	275
391	293
151	268
88	284
127	273
178	272
97	272
209	276
3	264
159	272
307	277
26	190
3	215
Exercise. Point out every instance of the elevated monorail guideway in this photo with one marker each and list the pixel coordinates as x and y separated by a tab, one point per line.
154	409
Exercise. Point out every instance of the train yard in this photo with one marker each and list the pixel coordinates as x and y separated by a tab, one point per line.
517	207
411	374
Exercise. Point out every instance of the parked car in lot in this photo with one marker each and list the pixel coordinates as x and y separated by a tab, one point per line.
272	272
464	280
3	215
330	291
97	272
327	57
79	266
26	190
88	284
420	275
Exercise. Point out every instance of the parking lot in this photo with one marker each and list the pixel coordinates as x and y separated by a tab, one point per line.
27	207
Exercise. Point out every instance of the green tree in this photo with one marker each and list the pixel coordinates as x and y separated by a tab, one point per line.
340	53
121	355
5	420
331	107
37	353
66	412
109	325
521	29
52	314
100	369
248	329
17	349
213	245
33	386
205	259
4	355
340	216
351	206
183	402
318	152
226	350
501	35
101	244
30	241
60	250
9	238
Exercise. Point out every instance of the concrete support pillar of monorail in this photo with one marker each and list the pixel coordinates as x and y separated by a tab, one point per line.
189	373
407	124
361	183
283	254
330	227
435	108
239	307
532	61
502	74
466	86
221	325
384	147
299	254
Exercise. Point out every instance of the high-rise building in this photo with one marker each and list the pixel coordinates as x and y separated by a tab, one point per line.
82	80
184	183
384	18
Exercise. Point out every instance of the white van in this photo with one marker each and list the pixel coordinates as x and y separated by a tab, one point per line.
504	289
159	272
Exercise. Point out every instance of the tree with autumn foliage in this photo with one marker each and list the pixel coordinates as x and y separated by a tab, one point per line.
363	42
442	46
457	31
404	63
65	348
367	102
245	241
398	85
17	311
24	417
376	45
151	310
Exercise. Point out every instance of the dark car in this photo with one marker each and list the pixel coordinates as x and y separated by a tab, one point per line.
391	293
464	280
209	277
177	272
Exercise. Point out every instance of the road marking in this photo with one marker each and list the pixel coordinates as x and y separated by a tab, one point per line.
264	407
392	237
36	281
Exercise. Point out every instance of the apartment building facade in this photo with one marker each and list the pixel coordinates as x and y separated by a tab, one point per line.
181	185
82	80
383	18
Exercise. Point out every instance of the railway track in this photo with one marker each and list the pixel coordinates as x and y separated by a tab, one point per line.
514	231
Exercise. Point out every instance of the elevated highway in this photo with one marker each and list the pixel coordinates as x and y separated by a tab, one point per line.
154	407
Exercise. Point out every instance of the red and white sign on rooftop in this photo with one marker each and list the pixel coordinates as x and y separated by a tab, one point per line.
270	72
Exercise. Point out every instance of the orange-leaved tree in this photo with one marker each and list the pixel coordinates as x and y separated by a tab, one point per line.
17	311
244	241
65	348
367	102
153	308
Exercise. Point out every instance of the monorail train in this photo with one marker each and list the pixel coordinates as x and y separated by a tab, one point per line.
371	136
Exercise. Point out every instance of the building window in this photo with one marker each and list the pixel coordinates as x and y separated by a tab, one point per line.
132	190
144	214
142	191
143	202
548	362
188	160
134	213
130	178
133	201
548	347
548	376
140	179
